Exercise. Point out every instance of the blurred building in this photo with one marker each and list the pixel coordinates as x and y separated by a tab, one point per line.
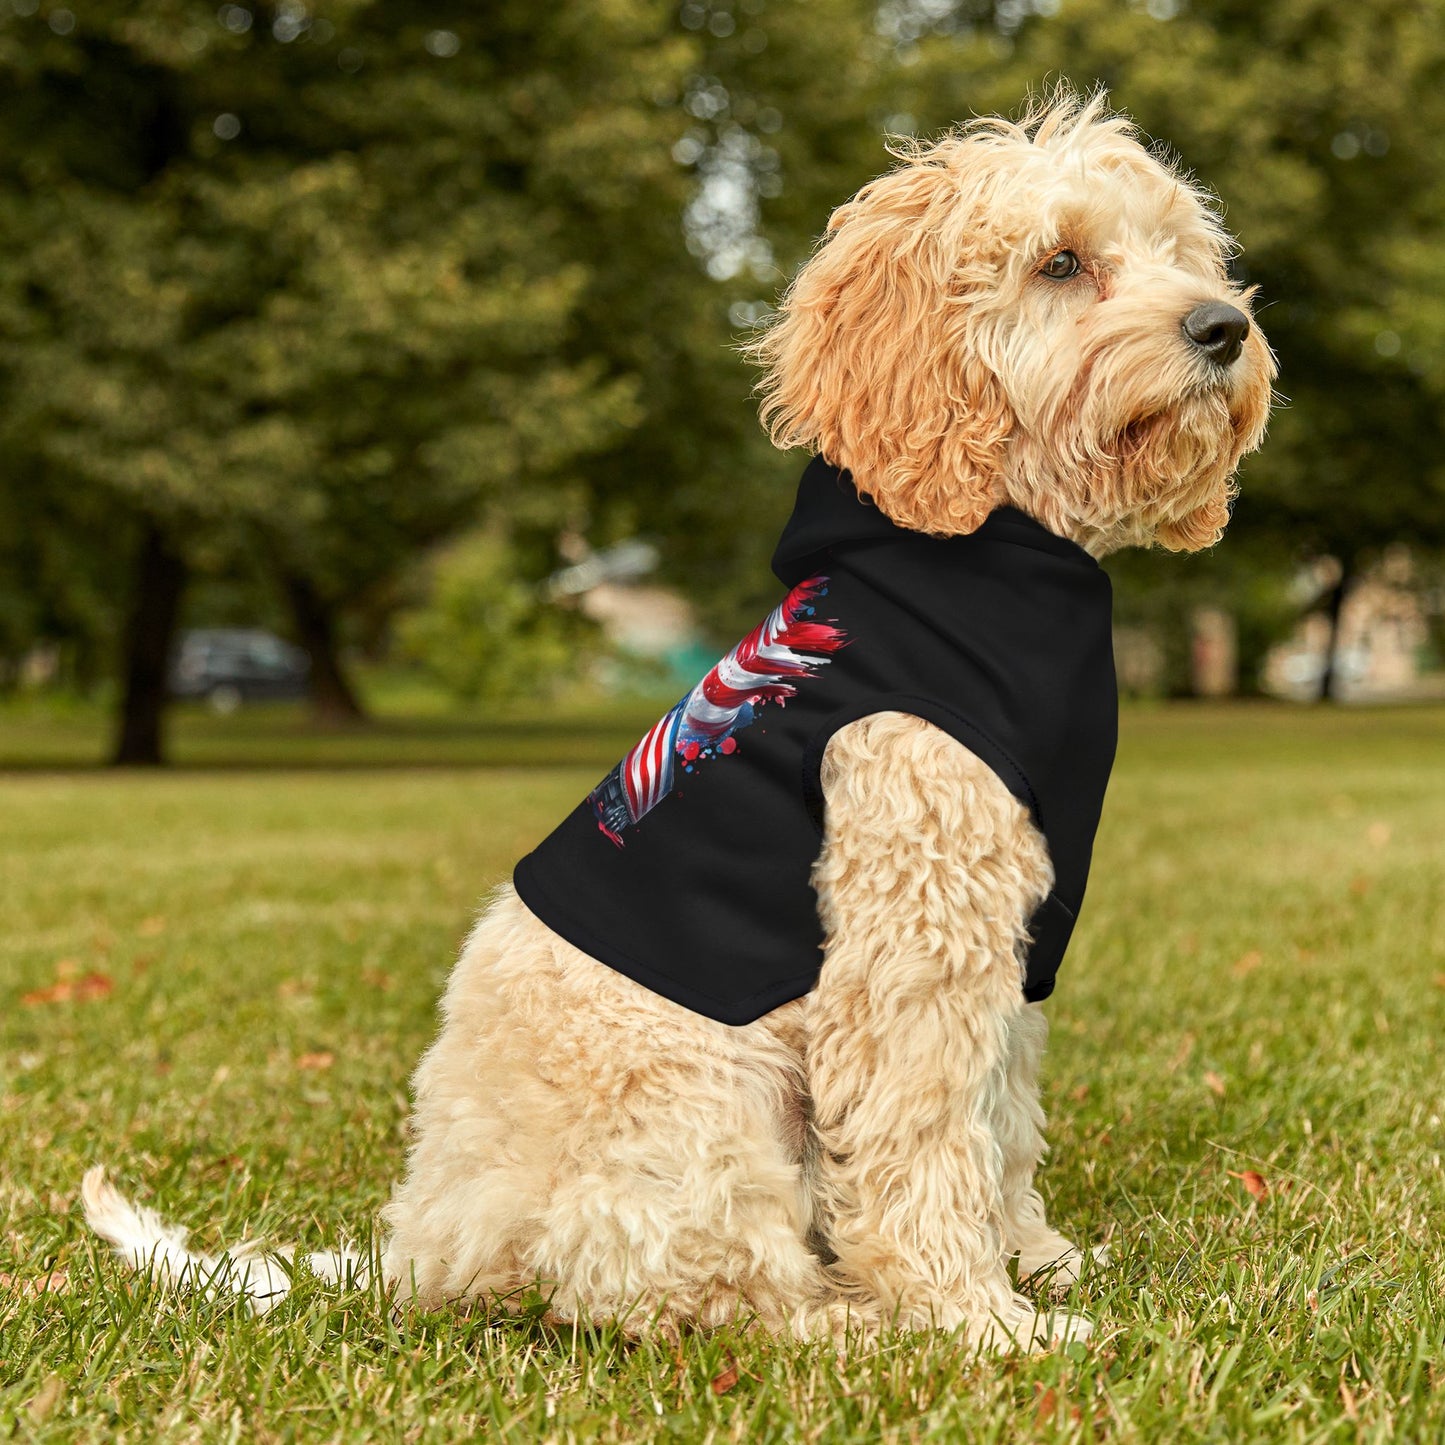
653	631
1382	651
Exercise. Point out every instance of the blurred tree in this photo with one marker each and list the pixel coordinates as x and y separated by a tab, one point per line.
485	632
781	112
329	283
59	570
292	281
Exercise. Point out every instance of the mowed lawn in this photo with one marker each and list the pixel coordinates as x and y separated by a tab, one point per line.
217	981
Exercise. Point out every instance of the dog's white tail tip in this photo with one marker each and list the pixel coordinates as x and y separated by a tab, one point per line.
147	1243
139	1235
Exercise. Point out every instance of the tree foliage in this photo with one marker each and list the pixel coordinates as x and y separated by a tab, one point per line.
308	290
484	631
318	287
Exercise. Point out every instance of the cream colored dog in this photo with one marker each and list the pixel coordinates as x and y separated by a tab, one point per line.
1000	319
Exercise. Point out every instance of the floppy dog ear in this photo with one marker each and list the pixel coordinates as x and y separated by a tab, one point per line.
872	360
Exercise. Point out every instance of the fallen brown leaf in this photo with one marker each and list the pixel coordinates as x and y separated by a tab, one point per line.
322	1059
1214	1083
1255	1184
1046	1407
1440	980
56	1282
56	993
1360	885
1247	963
723	1382
1080	1094
66	990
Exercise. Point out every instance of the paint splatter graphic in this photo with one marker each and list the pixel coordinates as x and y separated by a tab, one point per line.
789	646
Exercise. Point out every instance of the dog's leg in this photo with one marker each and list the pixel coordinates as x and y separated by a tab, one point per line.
483	1129
578	1134
1019	1128
929	872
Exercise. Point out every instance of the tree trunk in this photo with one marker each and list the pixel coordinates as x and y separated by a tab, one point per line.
1329	675
160	579
333	699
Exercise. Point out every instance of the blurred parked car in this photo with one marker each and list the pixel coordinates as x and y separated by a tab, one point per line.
230	665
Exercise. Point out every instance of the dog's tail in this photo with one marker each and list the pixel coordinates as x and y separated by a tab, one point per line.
147	1243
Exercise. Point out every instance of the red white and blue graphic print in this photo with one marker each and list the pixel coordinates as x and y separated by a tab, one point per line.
788	647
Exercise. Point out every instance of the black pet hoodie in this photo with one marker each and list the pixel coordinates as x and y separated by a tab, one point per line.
687	868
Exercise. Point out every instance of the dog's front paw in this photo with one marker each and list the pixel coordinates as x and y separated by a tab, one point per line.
1058	1269
1060	1327
1023	1326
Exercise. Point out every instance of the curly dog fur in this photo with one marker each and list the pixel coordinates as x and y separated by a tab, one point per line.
864	1156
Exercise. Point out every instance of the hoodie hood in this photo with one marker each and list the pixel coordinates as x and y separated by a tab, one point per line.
829	516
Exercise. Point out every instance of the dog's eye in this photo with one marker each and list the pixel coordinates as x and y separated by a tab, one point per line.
1060	266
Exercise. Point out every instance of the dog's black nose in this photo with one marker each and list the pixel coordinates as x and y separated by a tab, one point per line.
1218	330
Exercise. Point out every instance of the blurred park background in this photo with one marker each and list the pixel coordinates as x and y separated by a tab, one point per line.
386	353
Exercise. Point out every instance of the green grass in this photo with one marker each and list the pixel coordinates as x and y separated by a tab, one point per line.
1257	985
407	728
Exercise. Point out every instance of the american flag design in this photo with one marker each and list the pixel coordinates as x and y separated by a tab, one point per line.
791	644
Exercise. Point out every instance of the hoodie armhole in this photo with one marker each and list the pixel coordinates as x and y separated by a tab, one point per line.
930	710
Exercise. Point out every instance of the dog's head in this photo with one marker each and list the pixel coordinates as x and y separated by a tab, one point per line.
1035	313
